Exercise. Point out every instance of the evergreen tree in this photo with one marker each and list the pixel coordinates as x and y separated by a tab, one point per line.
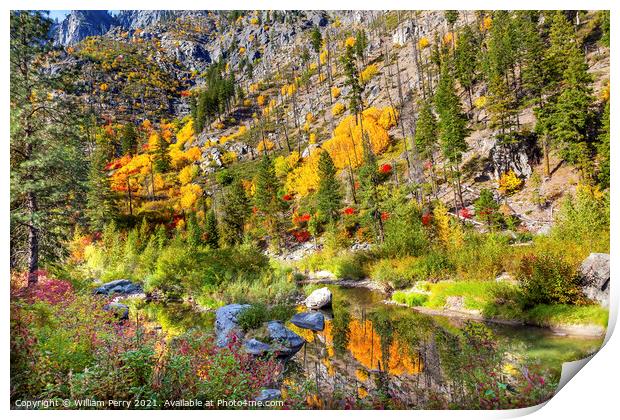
466	60
452	122
235	210
162	158
100	206
48	169
369	181
452	127
361	43
352	80
487	209
604	151
328	195
426	132
571	114
194	231
129	139
267	199
213	237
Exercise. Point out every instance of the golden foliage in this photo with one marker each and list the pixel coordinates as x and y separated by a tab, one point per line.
261	100
187	174
368	73
480	102
265	145
304	179
335	92
323	57
388	116
509	183
312	138
423	43
345	146
349	42
189	195
486	24
338	109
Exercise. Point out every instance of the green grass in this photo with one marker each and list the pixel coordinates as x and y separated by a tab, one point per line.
476	294
557	315
410	298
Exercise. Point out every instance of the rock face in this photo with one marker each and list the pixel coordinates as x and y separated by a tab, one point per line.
226	322
120	310
320	298
309	320
515	155
595	276
80	24
454	303
122	287
284	341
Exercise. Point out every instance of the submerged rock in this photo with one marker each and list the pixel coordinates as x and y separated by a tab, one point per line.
319	298
120	310
123	287
284	341
309	320
226	322
269	395
595	276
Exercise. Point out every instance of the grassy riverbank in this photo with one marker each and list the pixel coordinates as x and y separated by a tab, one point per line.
501	301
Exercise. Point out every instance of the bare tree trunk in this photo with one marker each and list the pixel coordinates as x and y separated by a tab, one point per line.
33	241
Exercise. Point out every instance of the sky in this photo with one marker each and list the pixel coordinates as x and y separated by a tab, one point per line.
60	14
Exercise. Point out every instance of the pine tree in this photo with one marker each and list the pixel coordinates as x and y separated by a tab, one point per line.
162	158
452	122
328	195
361	43
426	132
316	40
194	231
466	60
100	207
129	139
48	169
353	81
452	127
267	199
211	229
235	209
603	149
487	209
369	181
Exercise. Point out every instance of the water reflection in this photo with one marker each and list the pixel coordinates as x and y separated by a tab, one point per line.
371	348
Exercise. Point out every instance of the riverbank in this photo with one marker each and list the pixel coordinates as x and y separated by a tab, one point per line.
485	301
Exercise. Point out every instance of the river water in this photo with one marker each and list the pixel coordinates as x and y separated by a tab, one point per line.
413	360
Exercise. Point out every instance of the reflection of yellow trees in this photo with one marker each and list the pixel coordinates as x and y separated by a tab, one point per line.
365	345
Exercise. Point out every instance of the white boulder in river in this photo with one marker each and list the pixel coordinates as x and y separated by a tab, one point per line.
319	298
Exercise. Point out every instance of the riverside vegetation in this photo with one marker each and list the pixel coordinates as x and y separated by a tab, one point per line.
369	154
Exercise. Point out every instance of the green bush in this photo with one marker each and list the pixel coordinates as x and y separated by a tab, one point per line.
254	316
546	279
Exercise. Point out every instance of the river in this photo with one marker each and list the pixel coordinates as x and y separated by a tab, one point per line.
369	347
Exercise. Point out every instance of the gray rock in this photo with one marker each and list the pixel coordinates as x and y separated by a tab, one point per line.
269	395
226	322
514	155
309	320
454	303
284	341
319	298
122	287
256	348
595	277
121	311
